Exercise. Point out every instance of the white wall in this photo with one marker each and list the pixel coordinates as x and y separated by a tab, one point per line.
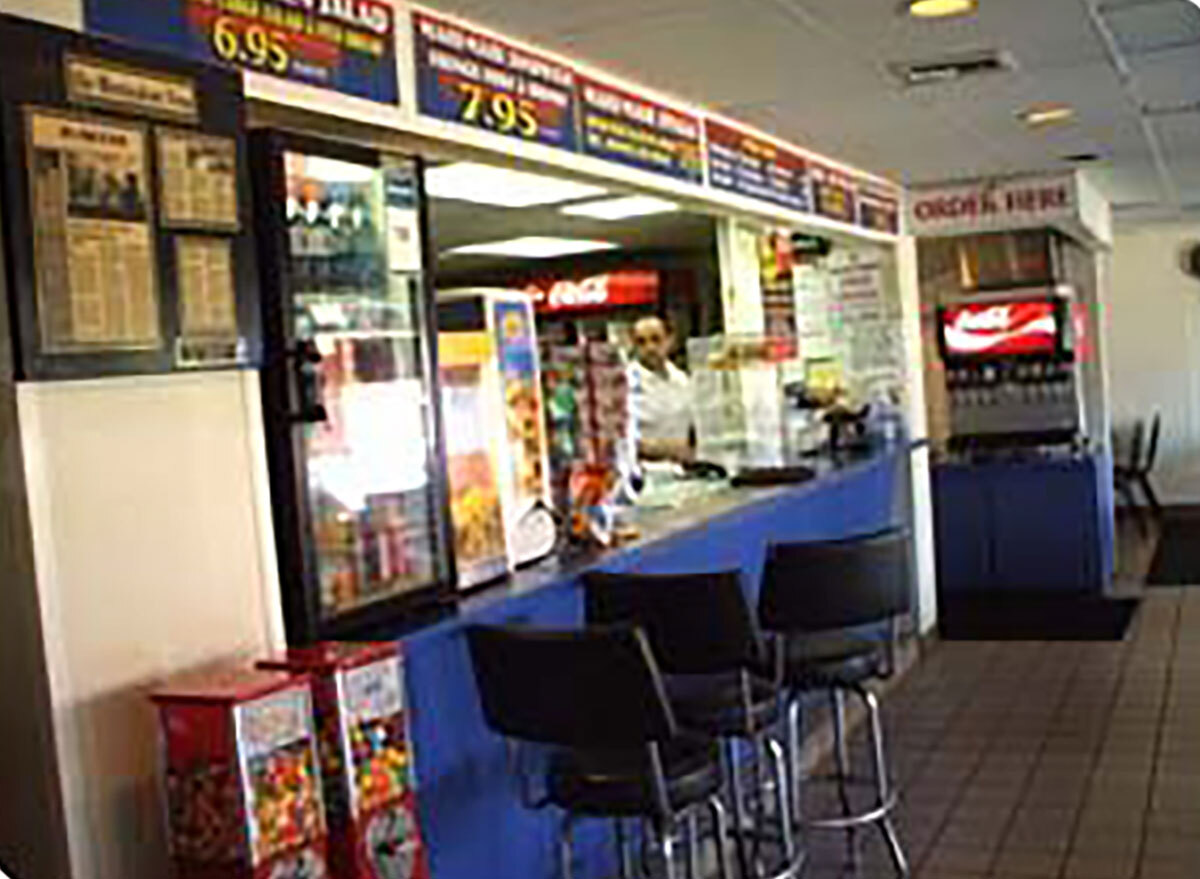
151	520
1152	330
64	13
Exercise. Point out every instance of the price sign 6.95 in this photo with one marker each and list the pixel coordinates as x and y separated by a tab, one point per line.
250	44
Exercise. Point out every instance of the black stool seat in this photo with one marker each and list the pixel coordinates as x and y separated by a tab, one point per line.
825	660
619	782
715	704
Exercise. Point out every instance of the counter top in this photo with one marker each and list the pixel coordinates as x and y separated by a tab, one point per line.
655	526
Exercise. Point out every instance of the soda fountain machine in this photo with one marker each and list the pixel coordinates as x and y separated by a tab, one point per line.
1012	376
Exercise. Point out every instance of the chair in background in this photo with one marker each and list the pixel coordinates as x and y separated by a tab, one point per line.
597	698
1133	473
815	595
703	636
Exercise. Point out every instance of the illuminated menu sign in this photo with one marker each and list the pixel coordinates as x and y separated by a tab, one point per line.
467	77
752	166
349	47
879	209
625	128
834	194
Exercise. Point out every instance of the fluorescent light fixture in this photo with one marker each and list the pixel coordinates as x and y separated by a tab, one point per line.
329	170
533	247
1046	114
621	208
940	8
502	187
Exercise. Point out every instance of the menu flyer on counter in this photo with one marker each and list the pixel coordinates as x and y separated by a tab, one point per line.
93	233
345	45
197	180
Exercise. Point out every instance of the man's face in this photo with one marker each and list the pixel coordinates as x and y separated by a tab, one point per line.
651	343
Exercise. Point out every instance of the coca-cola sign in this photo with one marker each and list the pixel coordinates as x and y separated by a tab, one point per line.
1001	329
599	291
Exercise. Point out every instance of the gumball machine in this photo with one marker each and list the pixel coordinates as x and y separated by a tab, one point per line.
242	782
366	758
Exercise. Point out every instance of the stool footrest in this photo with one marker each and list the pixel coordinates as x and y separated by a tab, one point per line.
845	822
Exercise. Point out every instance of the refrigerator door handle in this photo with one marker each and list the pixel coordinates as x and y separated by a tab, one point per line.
305	359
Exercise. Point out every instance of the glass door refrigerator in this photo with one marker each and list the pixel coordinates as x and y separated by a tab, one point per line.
353	427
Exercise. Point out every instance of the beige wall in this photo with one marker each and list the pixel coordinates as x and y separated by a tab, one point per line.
64	13
1152	330
150	513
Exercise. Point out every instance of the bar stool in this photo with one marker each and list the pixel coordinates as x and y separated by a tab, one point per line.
812	595
703	635
597	699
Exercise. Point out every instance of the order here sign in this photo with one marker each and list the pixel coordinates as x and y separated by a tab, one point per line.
992	205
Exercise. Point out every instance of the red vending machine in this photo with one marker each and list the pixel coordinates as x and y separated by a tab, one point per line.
242	783
366	758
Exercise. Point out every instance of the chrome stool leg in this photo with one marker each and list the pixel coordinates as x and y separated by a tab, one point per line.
624	862
883	784
734	775
721	835
566	855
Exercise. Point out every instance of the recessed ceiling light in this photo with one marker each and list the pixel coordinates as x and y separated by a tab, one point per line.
503	187
1046	114
621	208
940	8
534	247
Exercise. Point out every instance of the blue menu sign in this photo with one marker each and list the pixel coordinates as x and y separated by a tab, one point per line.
468	77
348	46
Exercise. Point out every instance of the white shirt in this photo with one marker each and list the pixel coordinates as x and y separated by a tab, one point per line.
662	404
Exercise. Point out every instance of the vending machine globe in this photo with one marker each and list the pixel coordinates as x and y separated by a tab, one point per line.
353	427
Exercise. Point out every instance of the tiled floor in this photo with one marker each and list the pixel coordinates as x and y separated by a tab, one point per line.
1044	760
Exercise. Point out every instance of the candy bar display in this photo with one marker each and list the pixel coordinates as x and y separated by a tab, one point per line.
366	758
587	399
242	782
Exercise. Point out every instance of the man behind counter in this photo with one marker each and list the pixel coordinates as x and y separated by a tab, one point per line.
661	395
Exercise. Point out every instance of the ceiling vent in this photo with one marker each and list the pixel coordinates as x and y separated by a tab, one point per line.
952	68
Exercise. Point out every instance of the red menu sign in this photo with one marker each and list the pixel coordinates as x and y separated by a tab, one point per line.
1001	329
753	166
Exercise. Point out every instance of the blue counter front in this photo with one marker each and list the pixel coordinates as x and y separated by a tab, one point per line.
1027	524
473	822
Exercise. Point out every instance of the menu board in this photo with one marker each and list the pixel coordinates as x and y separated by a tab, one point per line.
625	128
752	166
467	77
349	47
879	209
198	180
834	194
97	286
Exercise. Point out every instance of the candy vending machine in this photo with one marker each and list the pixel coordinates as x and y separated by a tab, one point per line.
366	758
243	787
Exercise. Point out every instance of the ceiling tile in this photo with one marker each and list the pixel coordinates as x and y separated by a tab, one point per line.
1145	27
1167	79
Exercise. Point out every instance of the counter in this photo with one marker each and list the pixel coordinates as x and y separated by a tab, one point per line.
472	819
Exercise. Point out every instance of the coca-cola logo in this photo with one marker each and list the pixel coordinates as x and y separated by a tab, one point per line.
1002	329
998	317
